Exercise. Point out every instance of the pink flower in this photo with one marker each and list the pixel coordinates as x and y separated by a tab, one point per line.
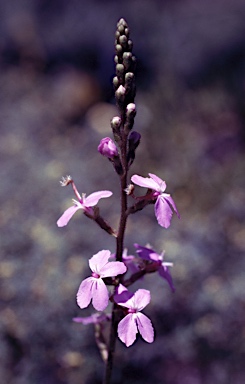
134	321
161	266
84	203
164	205
93	288
108	148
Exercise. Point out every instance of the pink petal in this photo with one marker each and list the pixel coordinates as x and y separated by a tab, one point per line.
145	182
146	253
127	329
163	212
67	215
113	268
172	203
99	260
100	297
145	327
85	291
165	274
141	298
122	295
159	181
93	199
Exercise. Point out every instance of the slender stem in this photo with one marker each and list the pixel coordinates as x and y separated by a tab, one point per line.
123	218
119	252
111	349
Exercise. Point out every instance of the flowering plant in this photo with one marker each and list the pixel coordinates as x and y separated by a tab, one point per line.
113	273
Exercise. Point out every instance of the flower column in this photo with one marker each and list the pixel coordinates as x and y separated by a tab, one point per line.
124	84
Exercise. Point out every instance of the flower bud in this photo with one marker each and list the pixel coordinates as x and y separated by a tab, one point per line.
108	148
133	142
120	93
116	122
131	110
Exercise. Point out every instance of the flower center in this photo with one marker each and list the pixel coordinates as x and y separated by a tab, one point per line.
96	275
132	310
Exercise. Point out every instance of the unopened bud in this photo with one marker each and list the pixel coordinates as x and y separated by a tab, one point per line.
108	148
127	60
131	110
123	22
120	29
133	142
115	82
129	80
120	93
118	49
130	45
126	31
123	41
120	70
116	122
130	86
115	125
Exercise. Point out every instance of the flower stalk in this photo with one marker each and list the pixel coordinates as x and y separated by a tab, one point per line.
119	270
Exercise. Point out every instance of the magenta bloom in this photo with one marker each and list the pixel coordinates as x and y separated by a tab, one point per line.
108	148
84	203
134	321
93	288
164	205
162	266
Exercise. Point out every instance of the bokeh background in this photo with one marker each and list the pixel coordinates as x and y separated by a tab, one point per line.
56	101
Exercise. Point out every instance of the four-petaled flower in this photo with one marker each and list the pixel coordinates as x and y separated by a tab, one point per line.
161	266
84	203
93	288
134	321
164	205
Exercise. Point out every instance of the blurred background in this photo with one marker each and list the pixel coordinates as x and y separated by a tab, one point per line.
56	102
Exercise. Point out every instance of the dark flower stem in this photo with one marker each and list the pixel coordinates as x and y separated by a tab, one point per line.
111	348
119	252
124	83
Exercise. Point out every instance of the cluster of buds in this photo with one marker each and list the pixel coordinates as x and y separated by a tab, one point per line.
124	85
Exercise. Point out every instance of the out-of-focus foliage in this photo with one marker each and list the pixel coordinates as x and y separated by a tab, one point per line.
56	101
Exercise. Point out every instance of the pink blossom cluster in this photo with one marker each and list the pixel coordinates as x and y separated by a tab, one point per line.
106	270
94	289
